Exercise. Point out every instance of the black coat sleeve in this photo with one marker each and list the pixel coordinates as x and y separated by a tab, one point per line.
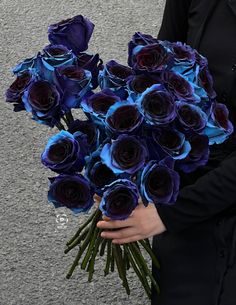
174	25
210	195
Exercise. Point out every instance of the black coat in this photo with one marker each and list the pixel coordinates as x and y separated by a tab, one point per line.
197	253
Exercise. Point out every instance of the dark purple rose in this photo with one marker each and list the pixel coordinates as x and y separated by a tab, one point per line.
126	154
15	91
74	82
198	155
179	86
139	83
157	105
65	153
191	117
92	63
42	99
201	60
74	33
89	129
72	192
98	173
159	183
206	81
114	76
119	199
123	117
172	142
99	103
151	58
183	52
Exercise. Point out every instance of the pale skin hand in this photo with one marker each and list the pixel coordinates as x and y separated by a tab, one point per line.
144	222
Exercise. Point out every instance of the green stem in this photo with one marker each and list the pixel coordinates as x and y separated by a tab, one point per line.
126	259
112	260
82	227
77	241
92	260
139	255
90	249
108	260
152	255
141	277
148	242
103	247
69	117
120	266
60	126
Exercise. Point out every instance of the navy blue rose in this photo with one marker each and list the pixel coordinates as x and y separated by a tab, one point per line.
16	90
157	105
191	117
34	63
98	104
183	53
137	84
119	199
150	58
123	117
74	83
71	191
92	63
42	99
201	60
126	154
159	182
219	127
74	33
206	81
89	129
198	155
65	153
98	173
114	76
172	142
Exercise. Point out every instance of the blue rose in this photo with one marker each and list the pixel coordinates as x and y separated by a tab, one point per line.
123	117
98	104
65	153
172	142
206	81
198	155
191	117
137	84
74	33
75	83
71	191
98	173
159	183
29	63
219	127
126	154
114	76
43	100
119	199
157	105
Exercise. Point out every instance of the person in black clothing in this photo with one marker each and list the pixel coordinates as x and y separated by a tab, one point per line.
195	239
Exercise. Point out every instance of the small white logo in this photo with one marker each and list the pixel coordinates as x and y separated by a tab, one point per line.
61	220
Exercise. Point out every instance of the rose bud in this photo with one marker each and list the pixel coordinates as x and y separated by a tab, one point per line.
206	81
198	155
75	83
89	129
42	99
159	183
74	33
126	154
172	142
150	58
219	127
114	76
72	192
180	87
16	90
123	117
191	117
119	199
98	173
157	105
65	153
91	63
97	104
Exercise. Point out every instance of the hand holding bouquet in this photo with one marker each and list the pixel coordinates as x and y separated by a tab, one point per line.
150	120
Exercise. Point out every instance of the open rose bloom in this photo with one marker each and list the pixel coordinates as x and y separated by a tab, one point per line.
147	122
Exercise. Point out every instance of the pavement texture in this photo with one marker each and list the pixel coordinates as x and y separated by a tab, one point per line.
32	260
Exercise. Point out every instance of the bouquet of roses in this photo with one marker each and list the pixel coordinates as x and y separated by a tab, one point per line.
150	121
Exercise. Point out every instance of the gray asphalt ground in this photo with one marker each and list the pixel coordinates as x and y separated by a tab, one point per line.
32	263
